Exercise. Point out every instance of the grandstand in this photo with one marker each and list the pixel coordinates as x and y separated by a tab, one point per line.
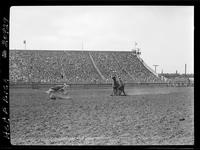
77	67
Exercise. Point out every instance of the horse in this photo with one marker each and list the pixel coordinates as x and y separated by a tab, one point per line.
115	86
121	87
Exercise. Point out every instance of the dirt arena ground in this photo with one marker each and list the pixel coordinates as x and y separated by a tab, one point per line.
148	116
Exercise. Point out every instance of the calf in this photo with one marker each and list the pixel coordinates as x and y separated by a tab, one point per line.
59	91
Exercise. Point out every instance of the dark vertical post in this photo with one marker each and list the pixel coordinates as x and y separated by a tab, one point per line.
185	69
25	44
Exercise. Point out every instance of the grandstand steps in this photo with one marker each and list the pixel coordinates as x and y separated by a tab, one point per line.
62	69
97	69
123	68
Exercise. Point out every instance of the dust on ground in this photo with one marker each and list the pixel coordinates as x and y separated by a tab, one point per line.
148	116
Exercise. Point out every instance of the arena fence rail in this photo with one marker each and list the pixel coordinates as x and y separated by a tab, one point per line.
36	85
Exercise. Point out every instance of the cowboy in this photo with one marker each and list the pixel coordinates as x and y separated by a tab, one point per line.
53	91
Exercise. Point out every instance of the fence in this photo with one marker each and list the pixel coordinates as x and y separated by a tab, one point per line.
106	85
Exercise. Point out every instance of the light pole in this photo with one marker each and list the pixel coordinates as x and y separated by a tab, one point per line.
155	67
82	45
25	44
185	70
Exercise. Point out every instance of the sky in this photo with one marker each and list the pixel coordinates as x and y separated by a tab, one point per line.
165	34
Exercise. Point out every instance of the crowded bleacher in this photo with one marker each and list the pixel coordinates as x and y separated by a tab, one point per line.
76	67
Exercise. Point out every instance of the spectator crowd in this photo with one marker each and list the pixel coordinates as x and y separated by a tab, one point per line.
76	67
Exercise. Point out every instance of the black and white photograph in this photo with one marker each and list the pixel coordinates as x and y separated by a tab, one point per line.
101	75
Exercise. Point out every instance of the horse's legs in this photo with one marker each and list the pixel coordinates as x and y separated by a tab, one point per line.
119	92
115	92
124	92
